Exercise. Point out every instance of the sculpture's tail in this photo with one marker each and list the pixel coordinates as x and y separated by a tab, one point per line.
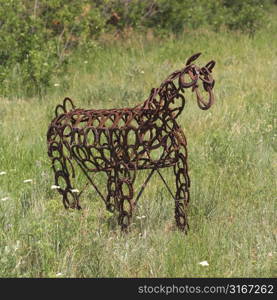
65	107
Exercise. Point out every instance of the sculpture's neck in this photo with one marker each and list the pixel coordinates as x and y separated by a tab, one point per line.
167	99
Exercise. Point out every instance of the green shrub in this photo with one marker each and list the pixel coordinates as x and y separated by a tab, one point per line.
36	39
38	36
245	15
177	15
25	50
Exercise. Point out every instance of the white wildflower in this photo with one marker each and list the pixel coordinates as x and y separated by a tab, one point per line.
5	199
75	191
59	274
27	180
269	128
56	84
141	217
3	173
54	187
204	263
16	246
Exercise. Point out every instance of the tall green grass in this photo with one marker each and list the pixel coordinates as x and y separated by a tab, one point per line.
232	148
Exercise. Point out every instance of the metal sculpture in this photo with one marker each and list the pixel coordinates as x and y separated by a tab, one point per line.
122	141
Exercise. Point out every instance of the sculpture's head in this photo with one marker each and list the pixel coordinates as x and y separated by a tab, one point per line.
198	75
169	96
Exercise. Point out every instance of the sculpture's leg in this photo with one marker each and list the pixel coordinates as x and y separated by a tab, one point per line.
125	195
63	172
182	192
112	202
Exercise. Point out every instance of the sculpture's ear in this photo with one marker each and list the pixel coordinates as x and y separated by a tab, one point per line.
193	58
210	65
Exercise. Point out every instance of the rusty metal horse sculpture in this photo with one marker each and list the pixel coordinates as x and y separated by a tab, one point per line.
121	141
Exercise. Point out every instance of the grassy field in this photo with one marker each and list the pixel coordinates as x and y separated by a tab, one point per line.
231	147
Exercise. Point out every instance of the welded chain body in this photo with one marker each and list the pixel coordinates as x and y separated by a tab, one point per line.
122	141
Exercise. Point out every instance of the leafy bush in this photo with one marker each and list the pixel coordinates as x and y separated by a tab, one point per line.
37	36
176	15
245	15
25	52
